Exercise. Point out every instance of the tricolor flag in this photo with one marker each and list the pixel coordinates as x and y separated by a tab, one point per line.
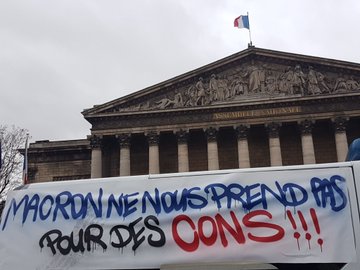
242	22
25	166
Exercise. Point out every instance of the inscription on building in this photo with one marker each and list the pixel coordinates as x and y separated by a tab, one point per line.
256	113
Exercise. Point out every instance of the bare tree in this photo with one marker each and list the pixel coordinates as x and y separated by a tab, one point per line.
12	139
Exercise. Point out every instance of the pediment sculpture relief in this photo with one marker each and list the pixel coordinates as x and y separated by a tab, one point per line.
251	82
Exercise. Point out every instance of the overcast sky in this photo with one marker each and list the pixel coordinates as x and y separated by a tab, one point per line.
60	57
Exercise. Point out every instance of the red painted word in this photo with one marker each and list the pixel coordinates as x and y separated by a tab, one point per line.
208	229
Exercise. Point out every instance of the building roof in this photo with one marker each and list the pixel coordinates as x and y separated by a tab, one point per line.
136	101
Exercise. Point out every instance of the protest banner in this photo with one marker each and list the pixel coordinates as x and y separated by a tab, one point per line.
274	216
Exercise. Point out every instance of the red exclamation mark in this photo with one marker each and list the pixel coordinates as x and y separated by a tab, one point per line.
320	241
293	223
305	227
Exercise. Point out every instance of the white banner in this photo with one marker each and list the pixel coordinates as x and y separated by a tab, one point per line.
285	216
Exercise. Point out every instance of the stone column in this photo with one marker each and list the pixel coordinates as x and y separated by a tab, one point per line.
340	138
183	151
243	147
274	144
307	142
212	149
96	156
124	142
154	160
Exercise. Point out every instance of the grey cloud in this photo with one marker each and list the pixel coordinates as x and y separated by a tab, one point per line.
60	57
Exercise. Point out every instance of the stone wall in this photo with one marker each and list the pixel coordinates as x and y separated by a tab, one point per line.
59	160
227	143
168	153
139	155
324	140
64	170
197	151
258	147
290	140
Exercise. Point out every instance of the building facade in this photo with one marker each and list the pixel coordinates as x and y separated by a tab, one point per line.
255	108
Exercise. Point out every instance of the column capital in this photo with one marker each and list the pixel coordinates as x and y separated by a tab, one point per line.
340	124
273	129
182	136
153	138
211	134
242	131
306	126
95	142
124	139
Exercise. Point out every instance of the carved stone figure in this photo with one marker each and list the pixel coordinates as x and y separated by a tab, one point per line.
214	88
167	102
322	84
352	85
250	81
270	83
200	92
164	103
224	89
191	96
238	87
340	85
286	81
256	79
298	81
178	100
313	88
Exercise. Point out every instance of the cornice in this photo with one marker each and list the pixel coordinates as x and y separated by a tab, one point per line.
247	105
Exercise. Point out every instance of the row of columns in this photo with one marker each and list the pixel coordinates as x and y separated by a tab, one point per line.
212	148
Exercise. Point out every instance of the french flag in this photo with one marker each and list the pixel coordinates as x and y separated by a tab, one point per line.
242	22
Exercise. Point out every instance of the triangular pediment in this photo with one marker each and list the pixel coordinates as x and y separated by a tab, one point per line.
247	76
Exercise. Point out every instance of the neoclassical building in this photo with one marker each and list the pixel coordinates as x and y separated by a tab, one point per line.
255	108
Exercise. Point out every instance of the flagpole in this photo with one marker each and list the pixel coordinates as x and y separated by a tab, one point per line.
25	167
250	44
1	135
